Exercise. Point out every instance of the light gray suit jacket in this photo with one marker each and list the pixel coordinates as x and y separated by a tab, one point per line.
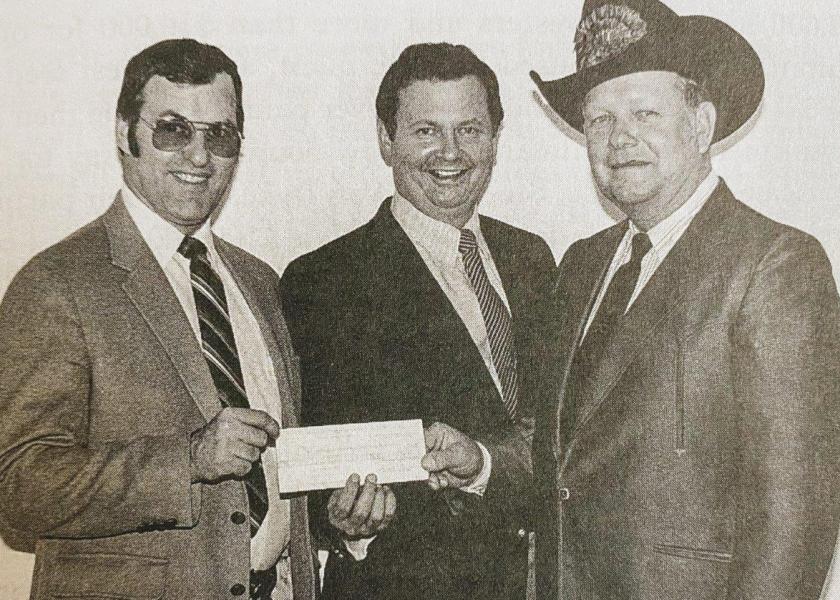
101	383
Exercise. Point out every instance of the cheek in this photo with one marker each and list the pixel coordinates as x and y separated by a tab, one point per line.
224	173
596	144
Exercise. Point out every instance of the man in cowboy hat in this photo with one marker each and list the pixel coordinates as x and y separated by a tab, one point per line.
689	448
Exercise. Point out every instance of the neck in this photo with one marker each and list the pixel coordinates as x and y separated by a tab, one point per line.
646	215
456	216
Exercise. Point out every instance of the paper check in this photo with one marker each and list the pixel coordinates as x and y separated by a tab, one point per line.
323	457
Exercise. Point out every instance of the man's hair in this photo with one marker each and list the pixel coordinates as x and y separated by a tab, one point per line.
179	61
694	93
435	62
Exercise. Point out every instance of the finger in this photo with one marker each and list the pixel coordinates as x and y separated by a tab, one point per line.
256	418
239	467
361	509
244	451
390	506
377	510
434	481
436	460
433	434
253	436
346	497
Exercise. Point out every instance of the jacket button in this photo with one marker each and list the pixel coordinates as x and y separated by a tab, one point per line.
237	589
238	518
564	494
521	533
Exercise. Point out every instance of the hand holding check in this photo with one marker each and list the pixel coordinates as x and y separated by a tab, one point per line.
230	444
363	510
453	459
360	511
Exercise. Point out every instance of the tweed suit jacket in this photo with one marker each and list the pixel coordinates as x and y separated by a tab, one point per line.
379	340
705	461
101	383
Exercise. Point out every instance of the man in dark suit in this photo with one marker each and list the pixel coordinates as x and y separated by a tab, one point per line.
689	449
144	370
429	311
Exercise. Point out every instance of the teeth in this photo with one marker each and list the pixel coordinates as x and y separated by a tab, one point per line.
447	172
190	178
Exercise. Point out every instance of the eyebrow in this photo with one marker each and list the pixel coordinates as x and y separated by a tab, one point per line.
175	115
473	121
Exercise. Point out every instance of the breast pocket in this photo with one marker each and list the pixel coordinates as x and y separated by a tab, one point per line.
108	577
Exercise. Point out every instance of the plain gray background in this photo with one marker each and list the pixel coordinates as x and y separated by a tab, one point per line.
310	169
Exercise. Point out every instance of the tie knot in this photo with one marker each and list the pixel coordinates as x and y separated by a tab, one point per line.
641	246
191	247
467	243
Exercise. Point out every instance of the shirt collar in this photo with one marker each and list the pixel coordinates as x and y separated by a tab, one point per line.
662	230
162	237
439	239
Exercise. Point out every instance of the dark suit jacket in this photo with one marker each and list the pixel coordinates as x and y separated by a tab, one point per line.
101	383
379	340
705	463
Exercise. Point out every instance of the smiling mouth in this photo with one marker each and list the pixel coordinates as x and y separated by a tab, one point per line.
447	175
629	164
191	178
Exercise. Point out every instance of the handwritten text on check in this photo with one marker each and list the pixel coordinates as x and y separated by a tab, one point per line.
323	457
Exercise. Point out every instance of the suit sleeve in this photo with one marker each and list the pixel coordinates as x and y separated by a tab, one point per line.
293	299
52	481
787	393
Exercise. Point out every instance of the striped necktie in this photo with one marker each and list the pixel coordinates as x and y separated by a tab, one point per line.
496	319
219	348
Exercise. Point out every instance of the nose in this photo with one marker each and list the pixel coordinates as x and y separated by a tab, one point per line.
623	133
449	149
196	151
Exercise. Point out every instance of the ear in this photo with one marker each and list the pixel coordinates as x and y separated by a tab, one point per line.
496	142
705	120
386	144
121	133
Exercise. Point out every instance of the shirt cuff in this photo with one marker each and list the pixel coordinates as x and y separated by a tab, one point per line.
479	486
358	549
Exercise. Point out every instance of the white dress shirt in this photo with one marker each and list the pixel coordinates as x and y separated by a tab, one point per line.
261	386
662	236
437	244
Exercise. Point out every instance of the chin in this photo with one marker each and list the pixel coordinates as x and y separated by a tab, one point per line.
449	201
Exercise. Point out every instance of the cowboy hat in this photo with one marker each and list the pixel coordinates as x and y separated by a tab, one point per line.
620	37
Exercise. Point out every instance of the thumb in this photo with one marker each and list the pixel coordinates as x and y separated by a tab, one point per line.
436	460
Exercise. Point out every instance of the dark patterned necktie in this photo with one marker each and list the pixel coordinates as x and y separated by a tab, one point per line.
496	319
613	306
219	348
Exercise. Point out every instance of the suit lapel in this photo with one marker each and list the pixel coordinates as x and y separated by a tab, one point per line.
418	290
573	303
149	290
689	262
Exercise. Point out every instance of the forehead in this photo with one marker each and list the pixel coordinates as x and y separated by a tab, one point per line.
657	87
460	99
210	102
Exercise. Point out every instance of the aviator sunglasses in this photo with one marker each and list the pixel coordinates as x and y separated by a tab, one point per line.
174	133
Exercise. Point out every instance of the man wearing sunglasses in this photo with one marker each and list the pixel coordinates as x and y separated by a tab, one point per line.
144	371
